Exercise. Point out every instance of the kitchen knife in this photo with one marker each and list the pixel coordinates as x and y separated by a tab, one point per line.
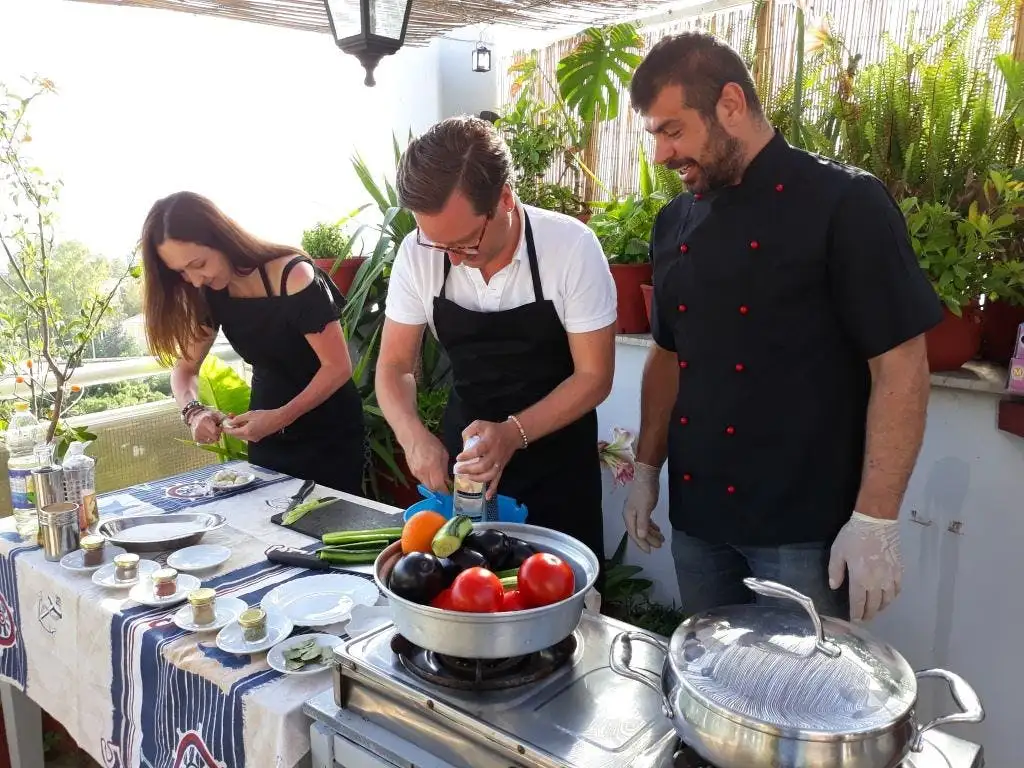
301	558
304	490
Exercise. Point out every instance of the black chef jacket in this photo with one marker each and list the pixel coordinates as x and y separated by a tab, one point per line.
774	294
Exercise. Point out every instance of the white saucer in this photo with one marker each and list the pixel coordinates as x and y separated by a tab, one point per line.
72	561
276	658
104	577
198	558
231	640
241	480
143	591
227	608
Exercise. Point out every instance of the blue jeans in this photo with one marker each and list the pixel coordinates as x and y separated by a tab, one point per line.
711	575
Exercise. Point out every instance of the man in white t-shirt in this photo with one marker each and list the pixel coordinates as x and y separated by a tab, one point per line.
523	303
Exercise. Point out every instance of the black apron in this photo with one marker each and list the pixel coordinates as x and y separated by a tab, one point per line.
502	363
326	444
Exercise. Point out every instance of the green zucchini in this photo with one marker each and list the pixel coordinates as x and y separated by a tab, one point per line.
298	512
510	582
375	545
449	538
510	573
348	558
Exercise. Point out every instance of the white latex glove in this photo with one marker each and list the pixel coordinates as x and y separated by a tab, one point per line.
869	548
642	499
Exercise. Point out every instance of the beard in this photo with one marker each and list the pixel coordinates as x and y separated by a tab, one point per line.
720	163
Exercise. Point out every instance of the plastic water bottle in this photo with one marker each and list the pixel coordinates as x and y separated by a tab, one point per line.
468	498
21	438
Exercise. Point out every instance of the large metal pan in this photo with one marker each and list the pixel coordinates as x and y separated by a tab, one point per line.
158	532
494	635
751	686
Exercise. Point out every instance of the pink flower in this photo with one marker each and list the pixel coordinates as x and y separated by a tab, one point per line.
617	455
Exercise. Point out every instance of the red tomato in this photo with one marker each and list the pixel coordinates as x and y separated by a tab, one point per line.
477	590
544	579
513	601
443	600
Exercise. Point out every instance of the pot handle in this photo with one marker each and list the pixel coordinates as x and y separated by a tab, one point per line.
971	710
621	654
774	589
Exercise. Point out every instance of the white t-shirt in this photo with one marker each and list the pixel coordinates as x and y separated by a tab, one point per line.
574	274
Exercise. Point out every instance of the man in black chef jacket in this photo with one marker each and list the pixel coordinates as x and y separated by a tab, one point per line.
788	384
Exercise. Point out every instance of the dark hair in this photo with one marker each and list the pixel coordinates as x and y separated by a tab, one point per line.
464	153
701	64
175	309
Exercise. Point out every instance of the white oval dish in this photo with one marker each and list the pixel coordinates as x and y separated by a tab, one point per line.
104	576
199	557
316	601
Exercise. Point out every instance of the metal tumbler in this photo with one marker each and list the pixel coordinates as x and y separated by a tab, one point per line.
58	528
49	482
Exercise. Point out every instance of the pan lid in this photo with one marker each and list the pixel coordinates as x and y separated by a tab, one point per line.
786	670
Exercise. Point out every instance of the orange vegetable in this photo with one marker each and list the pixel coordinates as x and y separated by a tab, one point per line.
418	531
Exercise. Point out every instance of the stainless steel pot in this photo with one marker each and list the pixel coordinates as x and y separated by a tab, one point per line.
751	686
494	635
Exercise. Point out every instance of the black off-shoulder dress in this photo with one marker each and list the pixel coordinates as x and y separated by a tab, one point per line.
268	332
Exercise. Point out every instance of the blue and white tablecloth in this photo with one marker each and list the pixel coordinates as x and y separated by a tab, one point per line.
130	687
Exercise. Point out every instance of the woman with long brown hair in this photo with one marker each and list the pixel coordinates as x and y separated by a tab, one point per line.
203	273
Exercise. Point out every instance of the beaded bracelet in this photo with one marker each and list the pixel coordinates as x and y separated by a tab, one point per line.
522	432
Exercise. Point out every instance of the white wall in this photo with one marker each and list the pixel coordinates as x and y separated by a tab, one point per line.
463	91
960	608
263	120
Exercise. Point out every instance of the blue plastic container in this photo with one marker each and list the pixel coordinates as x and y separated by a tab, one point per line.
509	510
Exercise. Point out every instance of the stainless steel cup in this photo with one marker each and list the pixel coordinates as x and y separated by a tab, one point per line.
58	529
49	483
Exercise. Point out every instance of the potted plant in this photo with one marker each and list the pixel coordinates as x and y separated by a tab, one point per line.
966	257
332	249
623	227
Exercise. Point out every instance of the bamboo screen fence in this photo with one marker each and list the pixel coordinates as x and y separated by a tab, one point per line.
865	25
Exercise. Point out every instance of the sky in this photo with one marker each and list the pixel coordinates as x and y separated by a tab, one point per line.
262	120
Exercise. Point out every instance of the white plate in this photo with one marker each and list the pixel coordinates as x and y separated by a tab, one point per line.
227	609
143	591
72	561
104	577
276	656
198	558
366	618
231	640
316	601
240	480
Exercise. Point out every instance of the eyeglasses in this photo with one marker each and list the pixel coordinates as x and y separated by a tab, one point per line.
462	250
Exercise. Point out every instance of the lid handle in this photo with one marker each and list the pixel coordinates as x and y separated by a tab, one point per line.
971	710
774	589
621	654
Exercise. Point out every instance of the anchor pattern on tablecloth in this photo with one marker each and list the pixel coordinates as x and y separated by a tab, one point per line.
192	752
111	754
8	627
49	612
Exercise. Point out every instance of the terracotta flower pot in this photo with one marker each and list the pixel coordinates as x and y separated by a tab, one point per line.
648	293
954	341
345	273
999	323
630	303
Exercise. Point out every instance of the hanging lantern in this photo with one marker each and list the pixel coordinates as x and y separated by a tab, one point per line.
481	58
368	29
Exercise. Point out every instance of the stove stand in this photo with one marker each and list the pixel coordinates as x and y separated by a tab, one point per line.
481	674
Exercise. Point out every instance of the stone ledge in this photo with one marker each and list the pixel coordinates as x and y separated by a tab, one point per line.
979	376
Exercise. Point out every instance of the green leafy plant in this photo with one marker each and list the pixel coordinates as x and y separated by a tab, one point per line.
626	596
43	339
363	318
591	76
332	241
624	226
970	255
220	387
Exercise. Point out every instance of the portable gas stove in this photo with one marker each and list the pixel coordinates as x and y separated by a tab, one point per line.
396	705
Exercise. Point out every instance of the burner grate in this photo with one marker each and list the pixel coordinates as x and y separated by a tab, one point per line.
481	674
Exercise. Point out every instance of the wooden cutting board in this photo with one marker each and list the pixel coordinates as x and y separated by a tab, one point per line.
343	515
